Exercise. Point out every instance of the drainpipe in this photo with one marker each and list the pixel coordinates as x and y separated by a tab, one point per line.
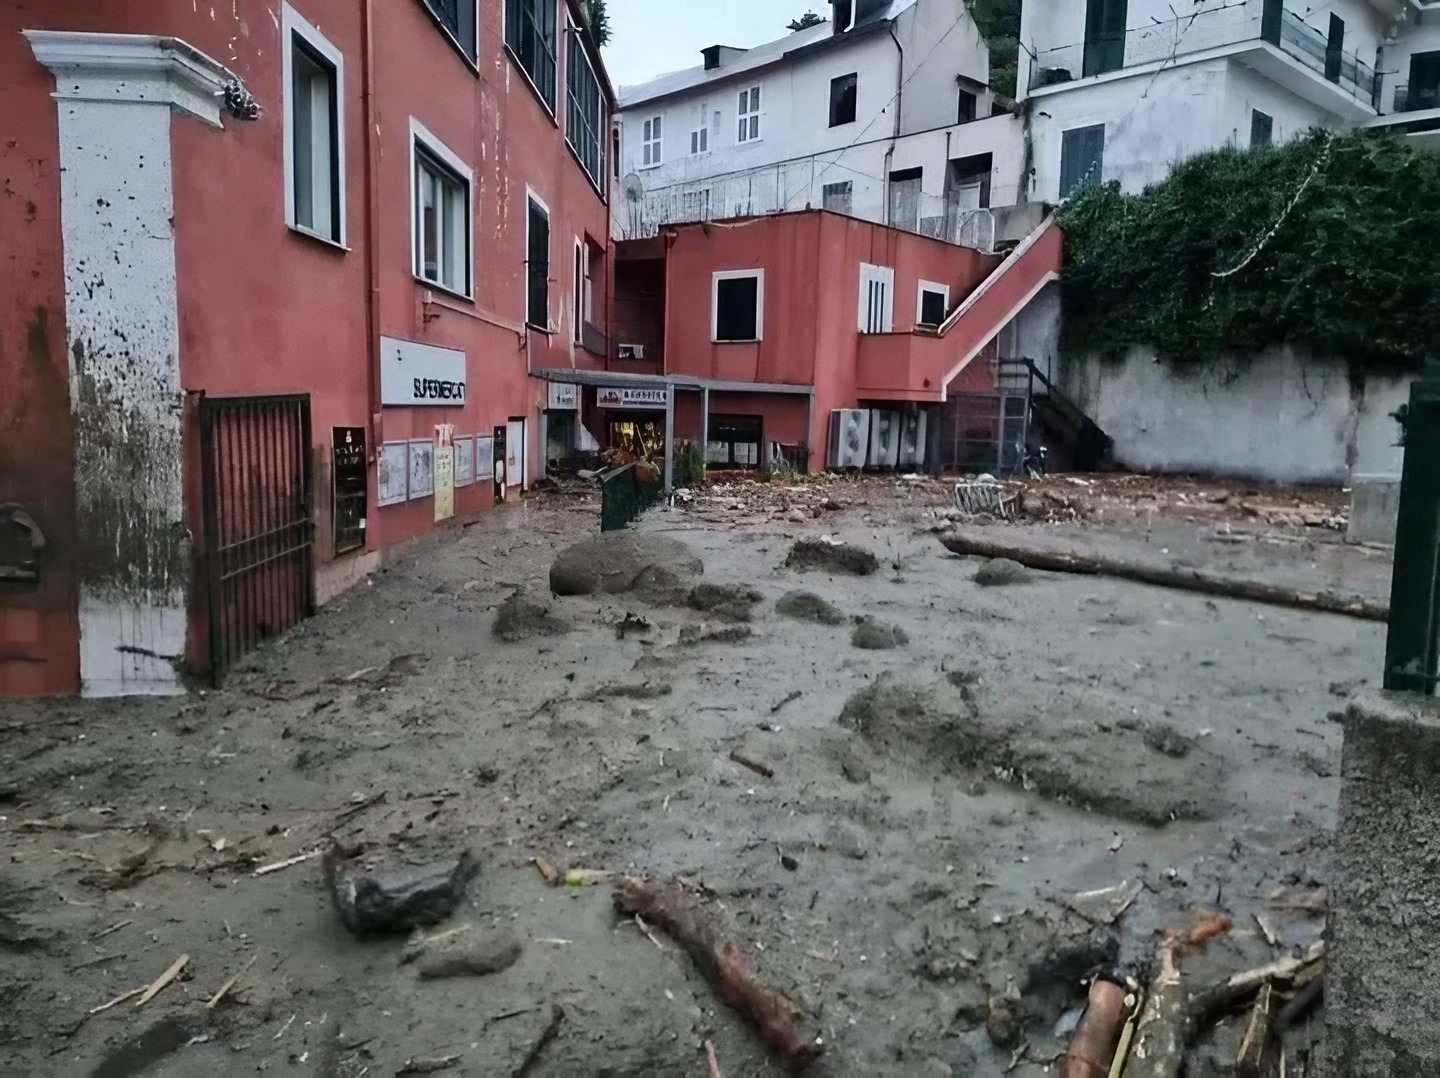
372	212
899	107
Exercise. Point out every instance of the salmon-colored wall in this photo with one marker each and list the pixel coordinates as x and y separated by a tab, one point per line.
782	417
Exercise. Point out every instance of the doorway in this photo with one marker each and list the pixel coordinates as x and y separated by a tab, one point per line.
515	454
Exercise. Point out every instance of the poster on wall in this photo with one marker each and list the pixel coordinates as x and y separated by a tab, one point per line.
348	482
444	471
464	461
422	469
484	457
394	472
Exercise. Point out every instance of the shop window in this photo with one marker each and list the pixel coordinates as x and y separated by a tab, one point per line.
733	441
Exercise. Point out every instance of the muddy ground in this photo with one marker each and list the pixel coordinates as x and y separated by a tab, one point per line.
907	874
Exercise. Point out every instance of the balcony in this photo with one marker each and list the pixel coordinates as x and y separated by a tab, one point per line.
1274	40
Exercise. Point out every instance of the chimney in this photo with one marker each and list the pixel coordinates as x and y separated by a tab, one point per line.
716	55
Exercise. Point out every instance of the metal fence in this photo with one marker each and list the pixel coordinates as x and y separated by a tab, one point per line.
624	495
1412	652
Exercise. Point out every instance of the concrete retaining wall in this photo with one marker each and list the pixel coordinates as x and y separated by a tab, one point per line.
1278	417
1382	994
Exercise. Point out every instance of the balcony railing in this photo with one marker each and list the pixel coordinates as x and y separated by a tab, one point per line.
1233	24
1424	97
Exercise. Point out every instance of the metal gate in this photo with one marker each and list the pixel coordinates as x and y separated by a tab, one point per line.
259	534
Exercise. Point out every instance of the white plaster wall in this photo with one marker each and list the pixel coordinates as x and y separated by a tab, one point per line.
1000	136
1247	90
940	42
1278	417
1419	33
121	313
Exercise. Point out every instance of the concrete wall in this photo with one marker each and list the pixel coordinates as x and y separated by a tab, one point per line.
940	42
1230	422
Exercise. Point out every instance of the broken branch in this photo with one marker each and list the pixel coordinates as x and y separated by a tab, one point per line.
754	765
265	870
225	988
160	982
548	1034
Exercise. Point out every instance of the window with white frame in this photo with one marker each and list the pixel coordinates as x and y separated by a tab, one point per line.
314	135
700	136
695	205
932	304
441	220
737	305
537	264
652	142
585	111
530	37
584	298
748	129
877	298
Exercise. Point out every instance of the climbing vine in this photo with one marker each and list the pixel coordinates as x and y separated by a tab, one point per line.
1325	243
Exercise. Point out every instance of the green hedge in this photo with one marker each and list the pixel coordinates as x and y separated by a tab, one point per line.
1351	271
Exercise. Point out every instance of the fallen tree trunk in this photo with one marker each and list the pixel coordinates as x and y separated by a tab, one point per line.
1197	580
724	965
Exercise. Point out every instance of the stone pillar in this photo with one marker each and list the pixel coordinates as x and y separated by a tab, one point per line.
1382	990
115	96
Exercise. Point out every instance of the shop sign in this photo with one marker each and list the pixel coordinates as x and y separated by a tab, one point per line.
632	397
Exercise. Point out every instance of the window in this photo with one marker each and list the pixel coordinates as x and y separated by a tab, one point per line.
966	111
537	265
738	305
967	183
652	138
441	221
733	441
1423	90
1082	157
314	119
1262	128
749	113
843	16
615	151
1335	48
582	297
700	137
877	298
1104	36
695	205
530	35
842	100
584	115
933	304
905	190
458	19
838	197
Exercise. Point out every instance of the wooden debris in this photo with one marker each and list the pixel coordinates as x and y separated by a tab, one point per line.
225	988
548	1034
1304	1000
427	1064
357	807
1267	930
548	872
119	999
714	1063
587	877
723	964
276	866
1093	1045
1251	1060
754	765
1167	1020
1197	580
116	927
1206	1006
159	984
790	698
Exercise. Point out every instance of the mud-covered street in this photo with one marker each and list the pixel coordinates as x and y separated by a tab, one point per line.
978	797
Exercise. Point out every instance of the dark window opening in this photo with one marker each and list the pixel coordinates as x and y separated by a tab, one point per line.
458	19
537	311
905	190
615	153
843	15
842	99
838	197
1082	158
585	115
967	182
733	441
737	308
1423	91
1262	128
932	307
1104	35
1335	48
966	111
530	34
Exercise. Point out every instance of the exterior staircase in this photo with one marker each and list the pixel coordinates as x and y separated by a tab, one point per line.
1075	441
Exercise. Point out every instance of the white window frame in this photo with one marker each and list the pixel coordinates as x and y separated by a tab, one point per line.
700	136
884	276
930	286
421	136
748	113
655	144
294	25
582	302
733	275
531	195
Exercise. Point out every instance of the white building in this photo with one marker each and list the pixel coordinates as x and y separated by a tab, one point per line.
1123	89
884	112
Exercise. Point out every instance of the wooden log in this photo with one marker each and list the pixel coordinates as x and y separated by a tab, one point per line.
1197	580
724	965
1208	1005
1251	1061
1164	1026
1092	1048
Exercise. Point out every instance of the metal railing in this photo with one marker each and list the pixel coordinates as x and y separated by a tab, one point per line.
1424	97
1221	25
624	495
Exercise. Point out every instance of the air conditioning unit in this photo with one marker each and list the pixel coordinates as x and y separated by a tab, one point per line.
912	439
631	351
849	437
884	439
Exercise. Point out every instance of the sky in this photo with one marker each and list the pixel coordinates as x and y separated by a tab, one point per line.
651	37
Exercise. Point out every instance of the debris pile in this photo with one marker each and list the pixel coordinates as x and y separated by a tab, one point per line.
625	561
831	556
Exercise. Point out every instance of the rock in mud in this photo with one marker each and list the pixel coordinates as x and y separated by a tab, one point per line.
522	618
829	557
616	562
377	900
465	951
872	635
732	602
1004	1023
999	572
644	690
691	635
807	606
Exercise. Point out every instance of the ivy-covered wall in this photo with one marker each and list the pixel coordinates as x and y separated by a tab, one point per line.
1326	244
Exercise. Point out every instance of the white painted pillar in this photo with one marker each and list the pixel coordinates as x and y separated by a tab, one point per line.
116	94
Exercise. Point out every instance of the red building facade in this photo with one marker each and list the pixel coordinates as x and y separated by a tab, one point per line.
265	266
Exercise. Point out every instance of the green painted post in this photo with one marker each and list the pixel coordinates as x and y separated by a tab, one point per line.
1412	652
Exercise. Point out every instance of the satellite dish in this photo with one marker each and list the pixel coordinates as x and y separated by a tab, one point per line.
634	187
